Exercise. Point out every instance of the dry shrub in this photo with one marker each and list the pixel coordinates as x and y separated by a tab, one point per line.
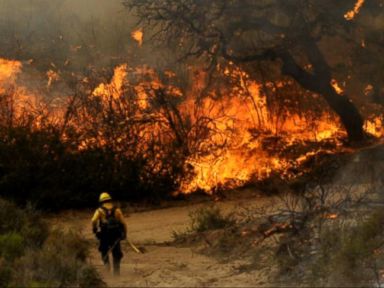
209	218
205	223
60	262
90	278
350	253
216	231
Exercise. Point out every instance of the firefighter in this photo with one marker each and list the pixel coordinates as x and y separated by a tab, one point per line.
109	226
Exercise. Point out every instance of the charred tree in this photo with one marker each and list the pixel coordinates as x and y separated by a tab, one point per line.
318	81
285	33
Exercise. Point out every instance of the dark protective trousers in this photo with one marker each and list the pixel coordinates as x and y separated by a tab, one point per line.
108	244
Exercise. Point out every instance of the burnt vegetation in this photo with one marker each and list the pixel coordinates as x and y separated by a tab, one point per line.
249	94
39	167
273	39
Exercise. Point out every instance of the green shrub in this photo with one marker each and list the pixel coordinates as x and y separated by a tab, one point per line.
36	231
11	246
209	218
11	217
33	256
27	223
5	274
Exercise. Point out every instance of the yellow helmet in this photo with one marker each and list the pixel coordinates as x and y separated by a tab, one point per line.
104	197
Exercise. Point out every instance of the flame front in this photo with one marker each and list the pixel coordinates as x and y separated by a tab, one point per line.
8	72
113	89
229	138
242	131
21	99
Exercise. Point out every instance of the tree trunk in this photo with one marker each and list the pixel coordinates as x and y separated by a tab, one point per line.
320	82
348	113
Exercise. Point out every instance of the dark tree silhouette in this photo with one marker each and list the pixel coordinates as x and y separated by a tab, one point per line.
293	34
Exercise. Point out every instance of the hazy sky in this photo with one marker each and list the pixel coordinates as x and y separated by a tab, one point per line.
83	8
84	31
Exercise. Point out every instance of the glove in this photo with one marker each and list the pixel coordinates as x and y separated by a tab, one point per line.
123	236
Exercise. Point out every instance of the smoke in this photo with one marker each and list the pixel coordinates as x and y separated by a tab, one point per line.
66	34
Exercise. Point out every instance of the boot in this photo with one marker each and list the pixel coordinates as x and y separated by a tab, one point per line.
106	263
116	268
107	266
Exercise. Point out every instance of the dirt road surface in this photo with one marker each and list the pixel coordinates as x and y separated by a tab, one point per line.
163	264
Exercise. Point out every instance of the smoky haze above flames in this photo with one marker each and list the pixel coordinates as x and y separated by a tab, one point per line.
69	34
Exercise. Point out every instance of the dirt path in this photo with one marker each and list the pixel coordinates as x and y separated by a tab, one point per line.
163	264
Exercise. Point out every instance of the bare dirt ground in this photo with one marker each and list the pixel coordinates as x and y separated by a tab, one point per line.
164	264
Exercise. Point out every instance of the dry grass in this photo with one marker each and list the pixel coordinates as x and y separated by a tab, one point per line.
351	253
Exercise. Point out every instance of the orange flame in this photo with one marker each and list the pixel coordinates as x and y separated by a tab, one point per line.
232	136
331	216
9	70
114	89
233	151
242	125
337	87
138	36
375	126
25	102
350	15
52	77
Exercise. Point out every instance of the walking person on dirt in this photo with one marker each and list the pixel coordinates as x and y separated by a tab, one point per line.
109	226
